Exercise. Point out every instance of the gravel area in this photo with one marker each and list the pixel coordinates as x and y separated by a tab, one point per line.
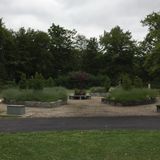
88	108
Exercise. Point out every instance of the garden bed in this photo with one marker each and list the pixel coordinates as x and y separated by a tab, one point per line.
133	97
49	97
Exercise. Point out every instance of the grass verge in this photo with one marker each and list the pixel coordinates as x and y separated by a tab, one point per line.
81	145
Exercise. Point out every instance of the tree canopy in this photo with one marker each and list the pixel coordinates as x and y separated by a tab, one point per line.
60	51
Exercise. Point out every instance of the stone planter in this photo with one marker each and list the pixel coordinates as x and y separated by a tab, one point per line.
16	109
45	104
38	104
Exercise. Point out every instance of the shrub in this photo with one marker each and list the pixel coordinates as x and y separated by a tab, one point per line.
46	95
138	82
30	83
107	84
63	81
126	82
1	84
97	90
79	92
155	83
7	84
79	79
49	82
23	82
135	94
38	82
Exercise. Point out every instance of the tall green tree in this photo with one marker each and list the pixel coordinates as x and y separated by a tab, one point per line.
2	60
80	46
152	45
62	49
90	61
119	50
33	52
7	51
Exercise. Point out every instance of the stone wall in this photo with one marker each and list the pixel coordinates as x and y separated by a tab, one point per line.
39	104
45	104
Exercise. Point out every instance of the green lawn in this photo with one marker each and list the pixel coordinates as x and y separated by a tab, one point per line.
86	145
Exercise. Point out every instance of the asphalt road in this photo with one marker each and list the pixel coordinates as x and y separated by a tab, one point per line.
93	123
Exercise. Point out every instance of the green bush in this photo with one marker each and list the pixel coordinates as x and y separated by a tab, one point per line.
49	82
107	84
79	92
45	95
63	81
138	83
97	90
135	94
7	84
30	83
23	82
126	82
38	82
80	80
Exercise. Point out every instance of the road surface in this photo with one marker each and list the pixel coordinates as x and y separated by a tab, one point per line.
92	123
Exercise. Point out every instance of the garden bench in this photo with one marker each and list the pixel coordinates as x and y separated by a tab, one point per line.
80	97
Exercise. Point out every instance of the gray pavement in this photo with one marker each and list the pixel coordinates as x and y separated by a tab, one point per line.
92	123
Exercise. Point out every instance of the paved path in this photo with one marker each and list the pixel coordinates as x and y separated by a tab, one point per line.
54	124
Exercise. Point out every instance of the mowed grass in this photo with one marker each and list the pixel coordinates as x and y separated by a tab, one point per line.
81	145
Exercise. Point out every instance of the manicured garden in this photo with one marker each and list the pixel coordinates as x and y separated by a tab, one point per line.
45	95
135	96
81	145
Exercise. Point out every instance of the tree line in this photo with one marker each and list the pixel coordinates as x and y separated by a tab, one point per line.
60	51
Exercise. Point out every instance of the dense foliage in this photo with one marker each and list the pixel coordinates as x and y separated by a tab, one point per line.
56	53
45	95
134	95
98	90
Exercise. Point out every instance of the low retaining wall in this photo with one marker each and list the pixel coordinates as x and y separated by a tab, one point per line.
45	104
39	104
129	103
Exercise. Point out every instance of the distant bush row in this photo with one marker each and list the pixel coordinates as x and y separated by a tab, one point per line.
77	80
73	80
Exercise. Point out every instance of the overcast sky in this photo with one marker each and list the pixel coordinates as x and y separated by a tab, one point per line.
88	17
